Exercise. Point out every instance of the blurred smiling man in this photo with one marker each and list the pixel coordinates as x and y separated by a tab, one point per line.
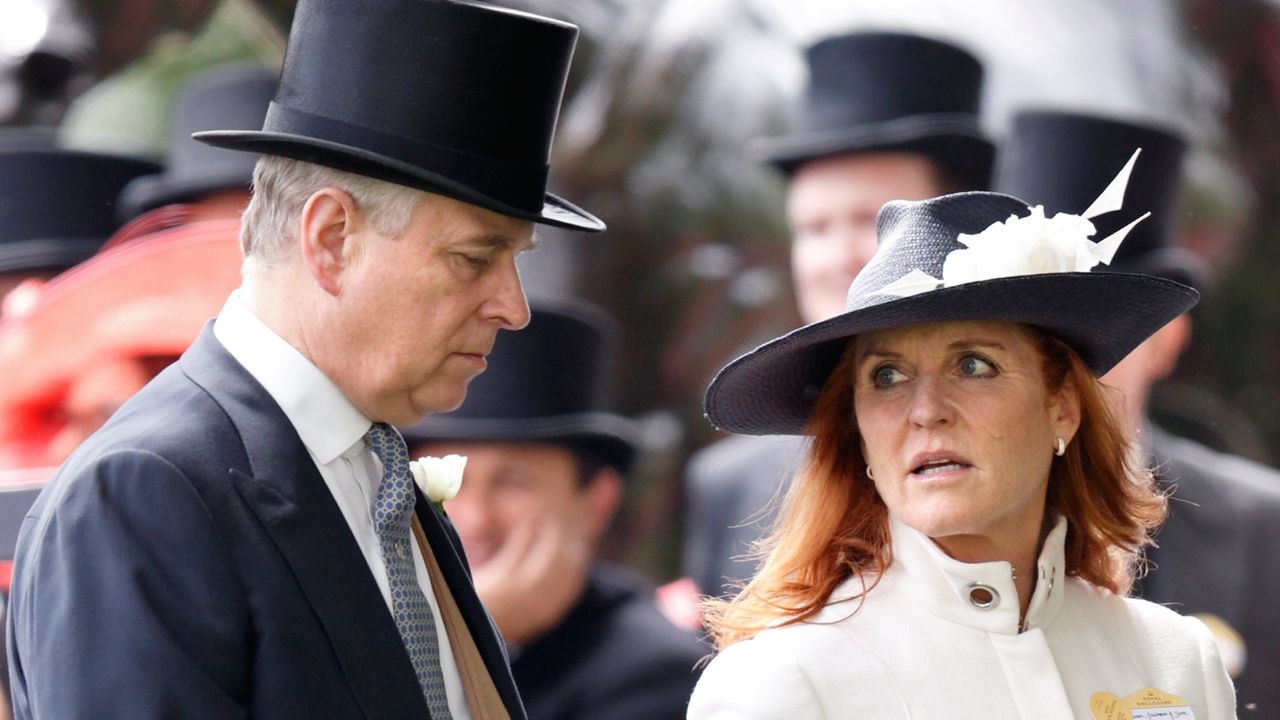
544	476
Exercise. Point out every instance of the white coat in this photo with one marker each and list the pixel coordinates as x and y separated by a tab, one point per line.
920	648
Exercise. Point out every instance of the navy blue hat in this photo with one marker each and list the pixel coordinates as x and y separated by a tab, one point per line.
875	91
545	383
1059	159
227	98
455	98
1101	315
57	207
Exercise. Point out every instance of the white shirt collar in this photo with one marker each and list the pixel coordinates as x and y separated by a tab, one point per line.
325	420
930	578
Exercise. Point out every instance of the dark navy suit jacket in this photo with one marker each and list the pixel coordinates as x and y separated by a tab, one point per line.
614	656
189	561
1217	554
733	490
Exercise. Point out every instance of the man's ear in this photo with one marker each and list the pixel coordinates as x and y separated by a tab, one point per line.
604	494
327	226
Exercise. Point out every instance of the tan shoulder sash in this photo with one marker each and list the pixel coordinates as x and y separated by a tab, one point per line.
482	695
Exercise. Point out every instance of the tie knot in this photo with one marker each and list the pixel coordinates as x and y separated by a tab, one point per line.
388	445
395	497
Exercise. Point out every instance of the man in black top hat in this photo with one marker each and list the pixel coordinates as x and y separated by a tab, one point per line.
544	475
886	116
1214	551
243	537
58	207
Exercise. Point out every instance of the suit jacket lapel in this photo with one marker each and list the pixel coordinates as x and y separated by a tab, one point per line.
284	489
444	543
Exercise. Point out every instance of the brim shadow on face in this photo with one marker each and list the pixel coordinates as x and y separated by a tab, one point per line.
772	390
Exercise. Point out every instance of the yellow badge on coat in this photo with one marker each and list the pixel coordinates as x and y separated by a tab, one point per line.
1146	704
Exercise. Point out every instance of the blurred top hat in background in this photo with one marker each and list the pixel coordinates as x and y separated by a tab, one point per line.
547	383
57	207
232	98
1058	159
885	92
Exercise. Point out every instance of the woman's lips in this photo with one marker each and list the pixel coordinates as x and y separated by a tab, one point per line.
937	464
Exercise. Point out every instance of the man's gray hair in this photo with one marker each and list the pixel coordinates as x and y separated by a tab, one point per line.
281	187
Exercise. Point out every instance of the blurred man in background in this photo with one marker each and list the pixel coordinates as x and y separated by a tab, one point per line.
886	117
544	477
1216	551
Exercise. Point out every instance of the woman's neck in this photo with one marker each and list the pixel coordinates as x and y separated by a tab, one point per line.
1021	549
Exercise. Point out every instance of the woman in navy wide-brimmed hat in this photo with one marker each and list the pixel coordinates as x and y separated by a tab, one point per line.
960	540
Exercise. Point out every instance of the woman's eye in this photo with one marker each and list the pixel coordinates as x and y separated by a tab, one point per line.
885	376
974	366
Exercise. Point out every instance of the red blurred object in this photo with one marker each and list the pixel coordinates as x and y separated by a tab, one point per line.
103	328
680	602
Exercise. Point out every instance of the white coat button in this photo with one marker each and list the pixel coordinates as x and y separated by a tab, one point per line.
983	597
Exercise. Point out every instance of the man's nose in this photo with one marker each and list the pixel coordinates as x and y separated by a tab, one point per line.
509	304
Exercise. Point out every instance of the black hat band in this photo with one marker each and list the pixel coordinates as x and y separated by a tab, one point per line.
518	185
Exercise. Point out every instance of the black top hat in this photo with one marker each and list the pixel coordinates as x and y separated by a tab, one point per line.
545	383
1060	158
230	98
1102	315
57	207
451	97
886	92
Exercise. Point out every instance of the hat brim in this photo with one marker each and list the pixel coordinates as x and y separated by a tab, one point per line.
555	211
613	436
47	254
1102	315
152	191
954	139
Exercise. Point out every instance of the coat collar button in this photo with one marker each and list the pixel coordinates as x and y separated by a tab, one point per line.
982	596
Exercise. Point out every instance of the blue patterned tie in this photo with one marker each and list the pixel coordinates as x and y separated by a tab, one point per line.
391	515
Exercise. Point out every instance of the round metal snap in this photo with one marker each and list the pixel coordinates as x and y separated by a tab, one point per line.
983	597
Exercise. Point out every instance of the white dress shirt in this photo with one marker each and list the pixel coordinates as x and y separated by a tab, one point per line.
923	645
333	430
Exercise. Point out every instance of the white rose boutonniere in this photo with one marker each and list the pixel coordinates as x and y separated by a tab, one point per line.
1030	245
438	478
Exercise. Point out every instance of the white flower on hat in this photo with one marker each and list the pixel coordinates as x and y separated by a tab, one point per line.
438	478
1030	245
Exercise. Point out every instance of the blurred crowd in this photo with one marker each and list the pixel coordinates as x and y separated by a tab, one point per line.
120	240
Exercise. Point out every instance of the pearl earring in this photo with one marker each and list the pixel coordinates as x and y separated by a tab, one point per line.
1060	448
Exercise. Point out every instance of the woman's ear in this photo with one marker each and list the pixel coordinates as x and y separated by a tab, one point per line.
327	232
1064	410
